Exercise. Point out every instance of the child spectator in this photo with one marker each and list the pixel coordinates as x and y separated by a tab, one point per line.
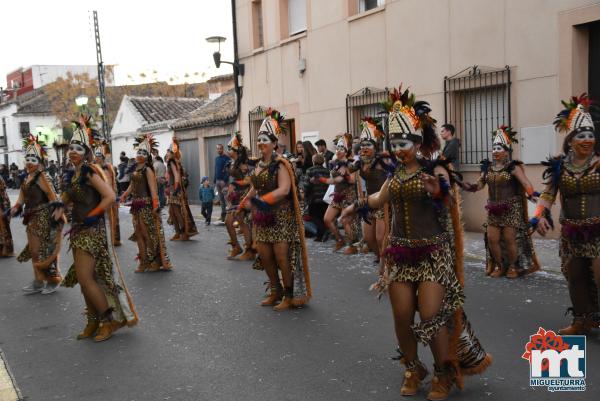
207	196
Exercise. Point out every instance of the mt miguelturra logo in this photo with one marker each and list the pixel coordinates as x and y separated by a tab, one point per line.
556	362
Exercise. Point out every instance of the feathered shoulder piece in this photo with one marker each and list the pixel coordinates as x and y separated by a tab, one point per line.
575	115
554	166
484	166
252	161
513	164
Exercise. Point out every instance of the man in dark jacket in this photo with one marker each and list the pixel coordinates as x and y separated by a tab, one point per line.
322	149
452	144
314	191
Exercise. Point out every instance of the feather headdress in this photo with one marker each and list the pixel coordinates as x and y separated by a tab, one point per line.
344	140
370	130
236	141
575	117
83	133
410	119
272	124
174	148
504	136
146	142
33	147
101	148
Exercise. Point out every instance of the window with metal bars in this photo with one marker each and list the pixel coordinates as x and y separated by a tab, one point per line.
24	129
255	118
477	102
363	103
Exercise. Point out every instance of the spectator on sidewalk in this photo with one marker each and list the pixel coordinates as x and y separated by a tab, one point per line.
221	179
314	192
206	193
451	145
160	170
322	149
123	176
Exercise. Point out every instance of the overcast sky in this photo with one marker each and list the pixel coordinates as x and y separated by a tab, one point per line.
137	36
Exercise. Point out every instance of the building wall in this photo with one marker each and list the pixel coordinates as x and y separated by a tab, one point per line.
202	134
418	43
124	129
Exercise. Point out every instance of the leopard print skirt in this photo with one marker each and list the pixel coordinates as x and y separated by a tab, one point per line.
348	196
507	213
282	227
39	225
430	259
148	227
92	240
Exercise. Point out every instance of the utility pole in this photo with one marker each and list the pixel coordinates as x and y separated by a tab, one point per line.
101	82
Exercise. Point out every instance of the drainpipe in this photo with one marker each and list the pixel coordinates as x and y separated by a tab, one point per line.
236	69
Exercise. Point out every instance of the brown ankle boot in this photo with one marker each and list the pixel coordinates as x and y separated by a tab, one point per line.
499	272
247	255
442	383
350	250
236	250
414	374
513	272
592	320
489	269
274	297
90	328
286	302
577	327
339	245
176	237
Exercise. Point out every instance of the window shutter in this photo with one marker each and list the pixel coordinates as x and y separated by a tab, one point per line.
296	16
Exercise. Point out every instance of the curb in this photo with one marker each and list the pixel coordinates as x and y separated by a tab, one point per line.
8	386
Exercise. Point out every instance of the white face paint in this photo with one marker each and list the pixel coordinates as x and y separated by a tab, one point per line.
74	147
264	139
31	159
585	136
341	149
142	153
498	149
402	145
367	145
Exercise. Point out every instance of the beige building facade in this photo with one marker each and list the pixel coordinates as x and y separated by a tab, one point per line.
313	58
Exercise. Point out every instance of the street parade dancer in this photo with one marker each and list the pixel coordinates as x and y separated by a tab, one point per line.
277	216
576	176
239	185
6	241
509	248
180	215
145	213
101	159
423	265
343	196
43	217
371	168
108	303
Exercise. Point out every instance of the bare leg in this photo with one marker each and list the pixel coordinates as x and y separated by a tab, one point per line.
84	268
402	299
369	236
493	236
229	220
34	249
267	259
283	262
509	236
245	232
330	221
577	269
430	301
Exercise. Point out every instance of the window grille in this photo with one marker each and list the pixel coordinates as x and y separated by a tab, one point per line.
476	102
363	103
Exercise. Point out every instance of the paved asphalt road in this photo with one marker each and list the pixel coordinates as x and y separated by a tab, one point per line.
202	335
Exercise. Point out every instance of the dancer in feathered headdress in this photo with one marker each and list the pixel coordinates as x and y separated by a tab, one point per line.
102	161
508	222
344	193
180	216
6	241
576	175
109	305
145	213
44	222
277	216
239	185
371	168
423	254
